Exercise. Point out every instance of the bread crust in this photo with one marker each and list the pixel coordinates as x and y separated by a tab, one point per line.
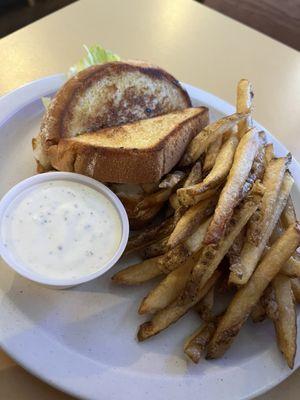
144	92
124	165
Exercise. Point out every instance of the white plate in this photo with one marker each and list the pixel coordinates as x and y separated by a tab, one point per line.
82	340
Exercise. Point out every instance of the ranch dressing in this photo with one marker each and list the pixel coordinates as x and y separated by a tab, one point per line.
62	229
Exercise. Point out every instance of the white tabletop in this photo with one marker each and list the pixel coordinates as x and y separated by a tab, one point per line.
194	43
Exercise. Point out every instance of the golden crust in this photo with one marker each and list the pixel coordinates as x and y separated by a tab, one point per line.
108	95
128	165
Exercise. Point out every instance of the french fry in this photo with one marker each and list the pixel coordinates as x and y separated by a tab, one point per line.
195	241
153	267
277	232
212	255
195	175
258	313
195	345
168	289
286	323
208	135
266	306
251	254
205	306
192	200
272	182
246	298
217	175
175	257
180	253
288	216
171	180
141	218
150	187
234	253
212	153
292	267
149	235
223	287
170	314
174	202
230	195
139	273
269	152
179	212
153	199
244	105
296	288
256	172
156	249
268	301
190	220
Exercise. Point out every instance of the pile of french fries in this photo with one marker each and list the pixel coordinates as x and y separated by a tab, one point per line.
232	227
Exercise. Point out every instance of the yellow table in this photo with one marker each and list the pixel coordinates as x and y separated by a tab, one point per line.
198	46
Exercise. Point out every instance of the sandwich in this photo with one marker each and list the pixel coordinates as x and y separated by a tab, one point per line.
126	124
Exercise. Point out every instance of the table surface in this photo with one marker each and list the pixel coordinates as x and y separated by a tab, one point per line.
198	46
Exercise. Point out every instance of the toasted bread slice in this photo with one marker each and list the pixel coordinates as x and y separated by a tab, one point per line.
140	152
108	95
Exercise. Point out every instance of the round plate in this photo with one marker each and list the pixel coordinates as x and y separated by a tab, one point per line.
82	340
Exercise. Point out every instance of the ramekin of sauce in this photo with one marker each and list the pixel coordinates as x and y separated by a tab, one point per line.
62	229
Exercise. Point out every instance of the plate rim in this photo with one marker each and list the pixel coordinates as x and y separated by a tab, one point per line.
10	104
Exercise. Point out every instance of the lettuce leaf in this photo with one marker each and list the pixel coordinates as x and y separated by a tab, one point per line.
96	54
46	101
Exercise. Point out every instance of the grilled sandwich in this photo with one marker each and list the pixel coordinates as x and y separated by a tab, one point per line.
106	95
140	152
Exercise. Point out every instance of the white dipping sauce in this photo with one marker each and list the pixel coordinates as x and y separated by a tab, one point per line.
62	229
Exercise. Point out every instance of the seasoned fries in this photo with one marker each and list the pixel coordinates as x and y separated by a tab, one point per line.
156	248
195	175
269	152
256	172
153	267
217	175
154	199
286	323
296	288
167	316
292	267
231	229
269	303
195	345
149	235
258	313
211	154
246	298
251	254
244	104
188	200
189	221
139	273
171	180
205	306
234	253
208	135
168	289
288	216
272	181
230	194
212	255
174	202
